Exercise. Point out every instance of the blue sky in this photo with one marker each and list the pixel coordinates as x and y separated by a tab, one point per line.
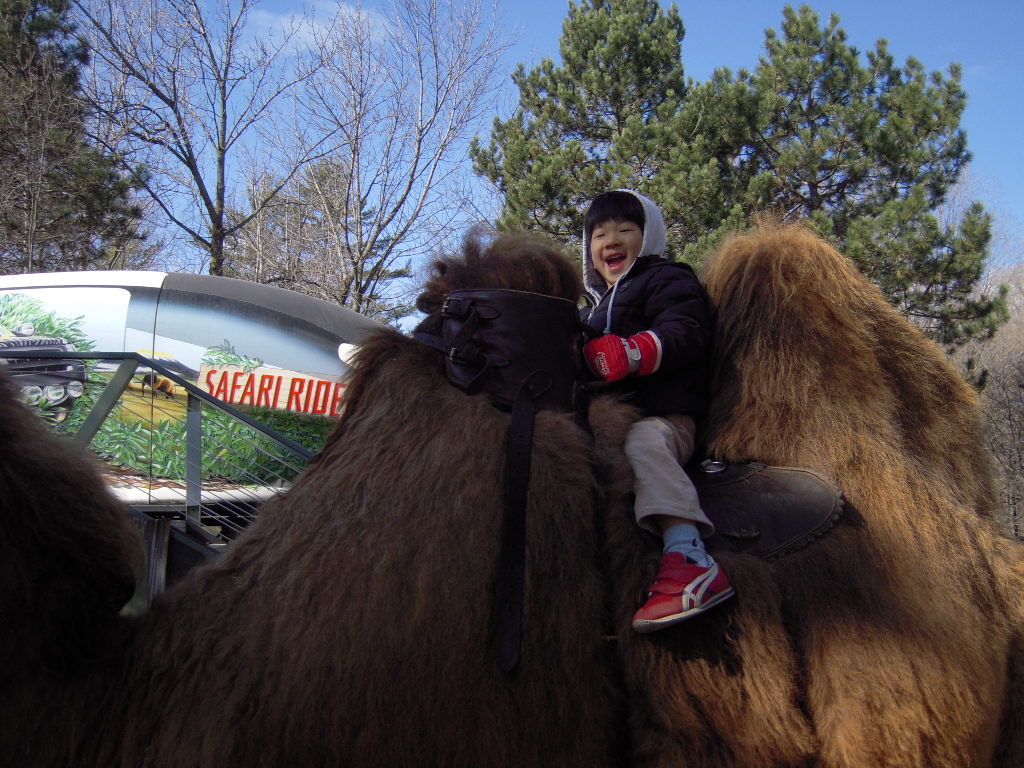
984	36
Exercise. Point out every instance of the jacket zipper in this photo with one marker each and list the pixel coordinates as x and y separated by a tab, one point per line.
611	300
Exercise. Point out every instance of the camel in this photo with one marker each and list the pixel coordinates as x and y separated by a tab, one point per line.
351	624
895	639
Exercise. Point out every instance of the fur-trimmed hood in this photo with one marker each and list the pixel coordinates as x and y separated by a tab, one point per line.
653	244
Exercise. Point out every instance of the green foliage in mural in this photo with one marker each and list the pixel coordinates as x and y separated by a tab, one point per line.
17	308
224	354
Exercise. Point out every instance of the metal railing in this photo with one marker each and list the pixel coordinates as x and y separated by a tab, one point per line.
188	465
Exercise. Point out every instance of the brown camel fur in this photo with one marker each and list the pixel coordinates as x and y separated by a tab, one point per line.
59	592
348	625
889	642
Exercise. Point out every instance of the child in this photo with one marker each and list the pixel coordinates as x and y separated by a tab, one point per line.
656	326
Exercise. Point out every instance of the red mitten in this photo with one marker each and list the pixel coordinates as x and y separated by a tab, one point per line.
608	357
648	345
612	357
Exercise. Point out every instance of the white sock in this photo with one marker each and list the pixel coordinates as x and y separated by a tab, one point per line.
684	537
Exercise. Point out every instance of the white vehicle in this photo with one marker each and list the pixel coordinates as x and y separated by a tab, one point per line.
244	343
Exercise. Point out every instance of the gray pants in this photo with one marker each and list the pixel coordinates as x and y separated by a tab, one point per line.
657	449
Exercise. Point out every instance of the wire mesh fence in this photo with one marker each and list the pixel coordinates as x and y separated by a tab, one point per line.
167	447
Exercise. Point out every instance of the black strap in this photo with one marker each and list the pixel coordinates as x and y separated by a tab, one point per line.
456	350
524	363
461	350
432	341
509	585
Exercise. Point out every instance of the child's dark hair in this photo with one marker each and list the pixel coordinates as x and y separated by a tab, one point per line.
618	205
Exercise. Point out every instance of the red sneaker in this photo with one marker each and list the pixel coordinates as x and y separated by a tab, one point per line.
682	589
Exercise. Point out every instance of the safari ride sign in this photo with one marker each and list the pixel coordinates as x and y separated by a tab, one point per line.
274	388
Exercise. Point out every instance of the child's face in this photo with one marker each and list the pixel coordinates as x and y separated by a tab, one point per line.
614	246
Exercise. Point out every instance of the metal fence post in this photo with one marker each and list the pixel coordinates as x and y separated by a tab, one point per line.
193	460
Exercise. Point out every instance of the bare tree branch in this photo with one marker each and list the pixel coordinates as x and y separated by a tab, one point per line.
183	87
401	96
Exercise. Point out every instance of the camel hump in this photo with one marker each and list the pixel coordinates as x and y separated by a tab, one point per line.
765	511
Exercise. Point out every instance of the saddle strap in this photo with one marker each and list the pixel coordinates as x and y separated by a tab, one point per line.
510	581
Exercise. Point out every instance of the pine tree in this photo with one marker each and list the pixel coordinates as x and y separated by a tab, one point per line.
868	154
592	122
64	205
865	151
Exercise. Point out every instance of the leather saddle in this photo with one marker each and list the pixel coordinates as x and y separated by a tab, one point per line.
768	512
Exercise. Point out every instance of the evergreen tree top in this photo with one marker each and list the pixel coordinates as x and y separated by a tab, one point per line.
864	149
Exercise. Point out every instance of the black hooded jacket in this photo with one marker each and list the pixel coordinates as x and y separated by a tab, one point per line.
666	298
